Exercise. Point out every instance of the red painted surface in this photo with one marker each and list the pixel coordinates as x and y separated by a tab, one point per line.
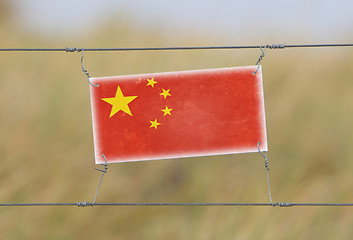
217	111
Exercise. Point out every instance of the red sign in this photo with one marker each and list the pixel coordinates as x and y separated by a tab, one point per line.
178	114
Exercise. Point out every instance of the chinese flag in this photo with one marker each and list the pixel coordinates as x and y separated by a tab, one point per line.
178	114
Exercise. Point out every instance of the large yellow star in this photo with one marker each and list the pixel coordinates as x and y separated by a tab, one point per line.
119	102
151	82
167	110
165	93
154	124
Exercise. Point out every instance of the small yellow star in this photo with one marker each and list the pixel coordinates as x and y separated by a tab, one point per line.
165	93
151	82
154	124
167	110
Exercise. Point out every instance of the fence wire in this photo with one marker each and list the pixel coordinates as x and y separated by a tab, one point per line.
268	46
89	204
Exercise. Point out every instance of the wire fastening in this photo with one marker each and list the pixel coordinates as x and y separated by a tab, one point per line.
263	154
67	49
83	69
276	46
105	164
84	204
260	59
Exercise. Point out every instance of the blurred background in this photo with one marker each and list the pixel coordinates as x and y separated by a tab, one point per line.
46	134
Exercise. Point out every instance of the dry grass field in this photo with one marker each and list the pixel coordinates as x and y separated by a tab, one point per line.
47	146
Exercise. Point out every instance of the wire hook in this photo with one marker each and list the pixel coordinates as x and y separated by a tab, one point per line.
263	154
260	58
85	71
105	164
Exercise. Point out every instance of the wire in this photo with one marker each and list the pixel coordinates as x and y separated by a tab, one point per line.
285	204
35	204
88	204
273	46
104	171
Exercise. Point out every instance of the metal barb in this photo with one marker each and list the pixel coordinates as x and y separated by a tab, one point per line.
276	46
85	71
285	204
67	49
263	154
105	164
84	204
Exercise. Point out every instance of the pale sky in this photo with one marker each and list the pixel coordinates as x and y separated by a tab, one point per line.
315	20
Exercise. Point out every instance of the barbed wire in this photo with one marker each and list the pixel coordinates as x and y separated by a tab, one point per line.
271	46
